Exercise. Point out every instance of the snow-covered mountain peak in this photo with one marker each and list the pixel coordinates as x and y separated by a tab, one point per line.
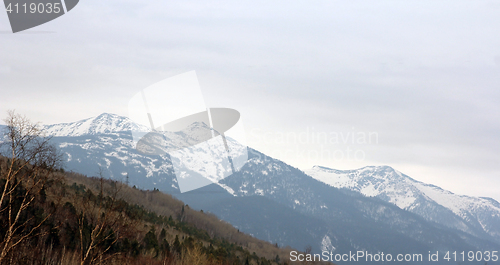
370	180
392	186
96	148
104	123
363	169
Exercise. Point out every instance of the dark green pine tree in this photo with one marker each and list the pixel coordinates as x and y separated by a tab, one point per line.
150	240
177	245
163	234
165	247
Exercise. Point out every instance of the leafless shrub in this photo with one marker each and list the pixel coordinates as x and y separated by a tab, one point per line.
32	159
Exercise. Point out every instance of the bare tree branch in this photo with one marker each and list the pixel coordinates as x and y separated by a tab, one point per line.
32	160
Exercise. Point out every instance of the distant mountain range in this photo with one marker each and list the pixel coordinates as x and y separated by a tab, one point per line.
476	216
370	209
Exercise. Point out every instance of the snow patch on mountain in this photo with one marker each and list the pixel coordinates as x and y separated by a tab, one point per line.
464	212
459	204
227	188
377	184
102	124
326	244
106	140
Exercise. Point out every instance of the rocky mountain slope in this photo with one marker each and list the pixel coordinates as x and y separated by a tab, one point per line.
275	201
477	216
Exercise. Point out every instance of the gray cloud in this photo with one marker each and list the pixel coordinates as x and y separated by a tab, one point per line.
424	75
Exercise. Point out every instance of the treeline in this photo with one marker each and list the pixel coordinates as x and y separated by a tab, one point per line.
48	216
71	224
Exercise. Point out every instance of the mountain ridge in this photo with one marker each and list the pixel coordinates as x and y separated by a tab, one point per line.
349	219
407	193
104	123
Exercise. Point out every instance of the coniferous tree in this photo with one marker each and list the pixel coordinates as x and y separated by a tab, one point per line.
150	240
177	245
163	234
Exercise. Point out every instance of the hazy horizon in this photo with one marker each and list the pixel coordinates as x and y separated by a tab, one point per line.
421	75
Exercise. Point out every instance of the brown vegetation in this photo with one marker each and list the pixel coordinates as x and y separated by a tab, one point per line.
49	216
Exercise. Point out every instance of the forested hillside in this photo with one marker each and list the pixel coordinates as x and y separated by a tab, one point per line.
76	219
48	216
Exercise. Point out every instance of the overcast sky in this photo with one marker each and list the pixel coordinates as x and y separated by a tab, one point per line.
310	78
